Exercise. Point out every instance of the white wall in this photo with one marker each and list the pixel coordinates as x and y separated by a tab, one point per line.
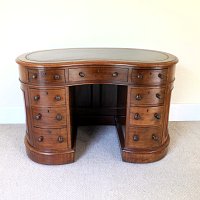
172	26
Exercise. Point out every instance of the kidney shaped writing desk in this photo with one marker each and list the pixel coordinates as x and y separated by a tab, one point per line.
64	88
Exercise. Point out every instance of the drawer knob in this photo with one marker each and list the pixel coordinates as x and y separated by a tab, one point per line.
60	139
57	98
135	138
81	74
139	76
56	77
157	116
40	139
59	117
34	76
137	116
138	97
160	76
36	98
115	74
38	116
158	96
155	137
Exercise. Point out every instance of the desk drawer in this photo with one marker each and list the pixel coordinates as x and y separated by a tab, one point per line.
49	117
38	76
47	97
146	115
108	74
50	139
149	77
147	96
143	137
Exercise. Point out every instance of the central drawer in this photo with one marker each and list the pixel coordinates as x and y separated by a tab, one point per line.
49	117
108	74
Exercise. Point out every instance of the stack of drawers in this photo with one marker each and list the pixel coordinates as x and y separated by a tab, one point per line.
48	110
145	109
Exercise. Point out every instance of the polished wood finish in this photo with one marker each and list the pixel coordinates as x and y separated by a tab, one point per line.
45	117
47	97
84	74
46	76
65	88
146	115
147	96
50	139
149	77
144	137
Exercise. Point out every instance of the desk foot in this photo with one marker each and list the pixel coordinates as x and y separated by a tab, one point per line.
49	158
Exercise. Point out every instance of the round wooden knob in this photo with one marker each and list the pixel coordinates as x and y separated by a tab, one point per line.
38	116
155	137
34	76
36	98
158	96
59	117
40	139
115	74
137	116
138	97
56	77
60	139
57	98
160	76
81	74
139	76
135	138
157	116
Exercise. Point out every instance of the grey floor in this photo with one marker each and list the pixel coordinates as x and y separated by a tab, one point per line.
98	172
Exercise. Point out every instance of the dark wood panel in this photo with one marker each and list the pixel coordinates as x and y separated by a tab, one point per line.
96	95
82	96
109	95
108	100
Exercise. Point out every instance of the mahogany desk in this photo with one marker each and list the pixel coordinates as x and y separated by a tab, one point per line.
64	88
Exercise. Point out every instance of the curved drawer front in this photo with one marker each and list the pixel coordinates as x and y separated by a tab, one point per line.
50	139
107	74
149	77
48	97
144	137
55	76
49	117
146	115
147	96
